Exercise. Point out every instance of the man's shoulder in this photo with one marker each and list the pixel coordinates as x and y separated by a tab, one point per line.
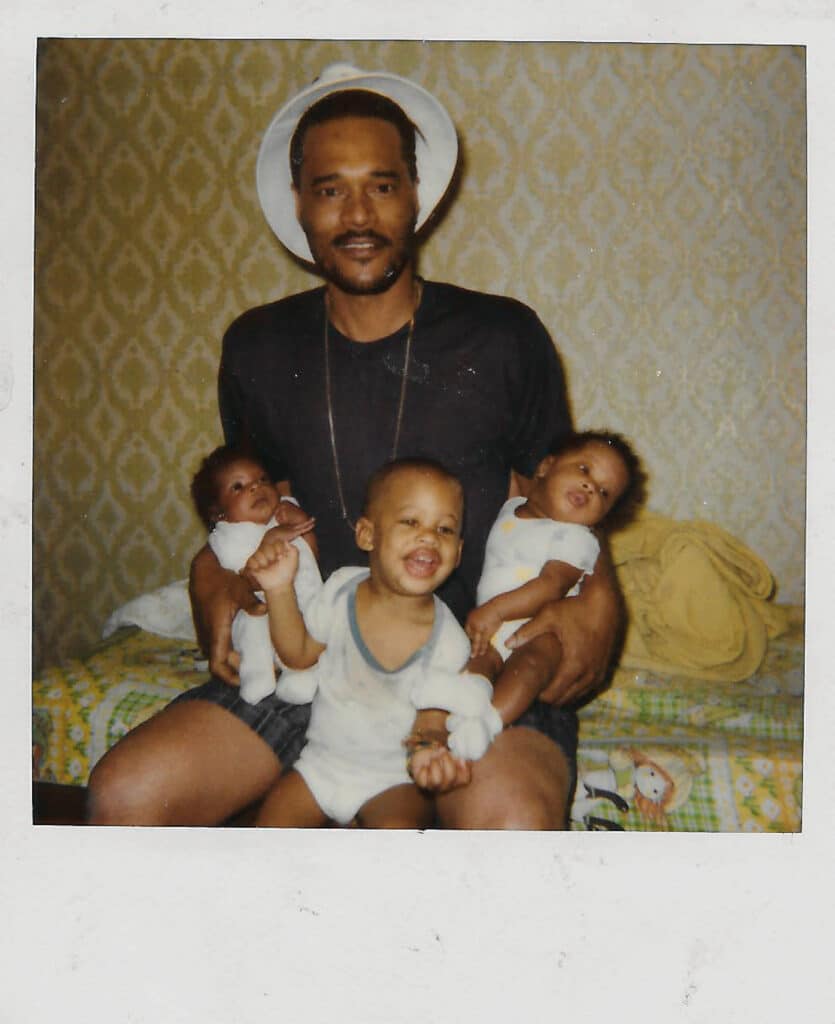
497	310
288	316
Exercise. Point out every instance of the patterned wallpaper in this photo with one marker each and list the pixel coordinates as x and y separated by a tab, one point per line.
647	200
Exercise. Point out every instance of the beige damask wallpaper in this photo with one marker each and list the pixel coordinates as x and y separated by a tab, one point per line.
648	201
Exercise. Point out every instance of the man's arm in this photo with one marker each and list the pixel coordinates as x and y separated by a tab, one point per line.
587	627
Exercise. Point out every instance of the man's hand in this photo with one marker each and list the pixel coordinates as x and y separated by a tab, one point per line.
217	595
587	635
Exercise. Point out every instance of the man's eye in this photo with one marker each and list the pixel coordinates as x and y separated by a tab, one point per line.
237	486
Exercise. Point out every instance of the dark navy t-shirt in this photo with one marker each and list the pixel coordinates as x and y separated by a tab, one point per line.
485	394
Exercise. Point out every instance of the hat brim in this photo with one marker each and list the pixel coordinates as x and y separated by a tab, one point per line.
436	147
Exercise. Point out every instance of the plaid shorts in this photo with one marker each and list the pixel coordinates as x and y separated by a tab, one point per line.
283	726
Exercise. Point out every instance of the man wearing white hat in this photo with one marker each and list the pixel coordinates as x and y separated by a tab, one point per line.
326	386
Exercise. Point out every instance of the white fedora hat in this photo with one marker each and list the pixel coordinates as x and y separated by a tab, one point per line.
436	146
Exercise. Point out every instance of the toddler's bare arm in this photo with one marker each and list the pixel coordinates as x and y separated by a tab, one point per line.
274	566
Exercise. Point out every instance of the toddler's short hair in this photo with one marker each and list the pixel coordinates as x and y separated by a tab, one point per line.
634	494
204	483
380	477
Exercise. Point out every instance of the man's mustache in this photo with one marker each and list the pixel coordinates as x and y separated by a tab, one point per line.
361	236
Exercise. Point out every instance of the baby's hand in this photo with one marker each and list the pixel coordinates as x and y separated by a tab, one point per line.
432	767
275	535
482	625
437	771
291	530
274	564
289	515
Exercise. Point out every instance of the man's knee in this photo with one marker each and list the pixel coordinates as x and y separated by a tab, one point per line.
545	813
522	783
525	812
141	781
118	796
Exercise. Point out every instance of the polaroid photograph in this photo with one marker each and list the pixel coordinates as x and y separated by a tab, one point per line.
414	498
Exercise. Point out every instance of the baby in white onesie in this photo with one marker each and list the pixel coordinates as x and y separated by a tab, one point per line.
383	647
539	550
238	502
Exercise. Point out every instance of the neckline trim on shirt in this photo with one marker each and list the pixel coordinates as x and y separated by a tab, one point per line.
366	653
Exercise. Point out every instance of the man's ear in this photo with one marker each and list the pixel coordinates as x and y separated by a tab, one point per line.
364	534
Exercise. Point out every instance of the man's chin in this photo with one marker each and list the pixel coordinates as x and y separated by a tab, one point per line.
356	278
359	285
375	287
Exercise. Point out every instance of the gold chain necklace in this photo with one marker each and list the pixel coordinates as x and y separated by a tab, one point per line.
407	358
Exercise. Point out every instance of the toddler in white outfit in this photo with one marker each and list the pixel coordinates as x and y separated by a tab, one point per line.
383	646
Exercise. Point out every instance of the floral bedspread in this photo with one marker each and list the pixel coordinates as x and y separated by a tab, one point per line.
656	752
678	754
82	708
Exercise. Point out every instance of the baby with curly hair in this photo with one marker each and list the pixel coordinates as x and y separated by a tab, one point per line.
238	503
540	549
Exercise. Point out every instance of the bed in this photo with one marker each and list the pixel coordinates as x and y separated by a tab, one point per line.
701	735
691	755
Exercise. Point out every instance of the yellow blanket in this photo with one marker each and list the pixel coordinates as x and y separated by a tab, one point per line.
698	600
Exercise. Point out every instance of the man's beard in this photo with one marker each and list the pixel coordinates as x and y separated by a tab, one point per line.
400	255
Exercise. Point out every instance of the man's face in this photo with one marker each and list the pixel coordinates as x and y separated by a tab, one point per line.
357	203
